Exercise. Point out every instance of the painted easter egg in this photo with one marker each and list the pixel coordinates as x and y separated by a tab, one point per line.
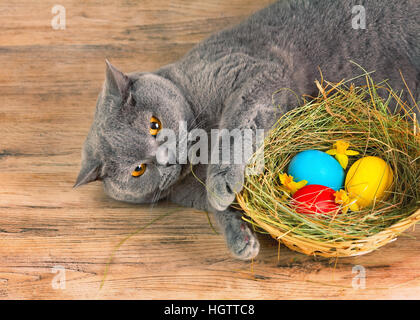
315	198
368	179
317	167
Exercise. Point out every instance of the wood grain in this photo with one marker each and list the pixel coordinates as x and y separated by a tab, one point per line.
49	81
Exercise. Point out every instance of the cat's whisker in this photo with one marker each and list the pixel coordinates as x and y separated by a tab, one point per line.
155	198
196	117
193	124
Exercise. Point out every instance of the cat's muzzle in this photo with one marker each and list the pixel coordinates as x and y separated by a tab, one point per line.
169	175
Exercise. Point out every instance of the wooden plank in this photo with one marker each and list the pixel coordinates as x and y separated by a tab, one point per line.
177	257
49	81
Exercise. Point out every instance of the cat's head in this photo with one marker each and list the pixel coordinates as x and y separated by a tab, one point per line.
121	146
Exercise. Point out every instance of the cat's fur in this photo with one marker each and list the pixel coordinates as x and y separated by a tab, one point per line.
227	81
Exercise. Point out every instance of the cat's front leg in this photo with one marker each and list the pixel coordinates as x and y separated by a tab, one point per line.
223	183
249	114
225	179
234	148
240	239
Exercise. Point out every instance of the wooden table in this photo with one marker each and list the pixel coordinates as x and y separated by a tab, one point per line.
49	81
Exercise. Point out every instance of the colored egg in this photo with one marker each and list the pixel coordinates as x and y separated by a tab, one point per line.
317	167
368	179
315	198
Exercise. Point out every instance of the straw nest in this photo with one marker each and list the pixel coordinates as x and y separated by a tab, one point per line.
360	116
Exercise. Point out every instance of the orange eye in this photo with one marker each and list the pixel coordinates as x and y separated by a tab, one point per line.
155	126
139	170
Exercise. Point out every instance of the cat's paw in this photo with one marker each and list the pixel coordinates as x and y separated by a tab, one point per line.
241	240
222	185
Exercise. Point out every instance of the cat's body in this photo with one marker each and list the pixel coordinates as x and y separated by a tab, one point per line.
228	81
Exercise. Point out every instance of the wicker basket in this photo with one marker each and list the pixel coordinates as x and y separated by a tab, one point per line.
321	122
334	249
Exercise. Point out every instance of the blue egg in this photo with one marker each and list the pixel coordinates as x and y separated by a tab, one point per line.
317	167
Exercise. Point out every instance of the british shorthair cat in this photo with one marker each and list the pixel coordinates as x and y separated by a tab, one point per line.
227	82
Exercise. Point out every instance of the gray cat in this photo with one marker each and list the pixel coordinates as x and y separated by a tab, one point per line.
228	81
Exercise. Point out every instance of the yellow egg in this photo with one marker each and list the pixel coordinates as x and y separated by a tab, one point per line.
368	178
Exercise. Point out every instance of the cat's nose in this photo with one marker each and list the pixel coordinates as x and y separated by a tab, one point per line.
165	156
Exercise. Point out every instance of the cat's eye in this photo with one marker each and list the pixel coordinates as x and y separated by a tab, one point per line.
155	126
139	170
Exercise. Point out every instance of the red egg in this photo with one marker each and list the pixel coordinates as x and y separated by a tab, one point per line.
315	198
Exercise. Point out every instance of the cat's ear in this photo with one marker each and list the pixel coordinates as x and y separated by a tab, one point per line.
117	83
89	172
